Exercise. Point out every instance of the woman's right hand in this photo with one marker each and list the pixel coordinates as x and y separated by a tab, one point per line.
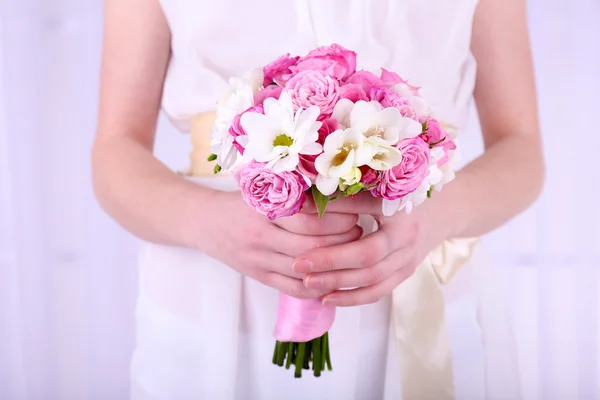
263	250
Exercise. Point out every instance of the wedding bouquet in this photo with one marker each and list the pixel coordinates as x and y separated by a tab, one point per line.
315	126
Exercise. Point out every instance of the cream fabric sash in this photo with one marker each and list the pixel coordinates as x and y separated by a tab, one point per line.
418	315
418	311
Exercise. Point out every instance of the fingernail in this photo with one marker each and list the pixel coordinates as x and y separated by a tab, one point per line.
302	265
313	281
330	301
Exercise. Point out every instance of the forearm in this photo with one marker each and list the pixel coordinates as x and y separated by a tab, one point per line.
145	197
493	188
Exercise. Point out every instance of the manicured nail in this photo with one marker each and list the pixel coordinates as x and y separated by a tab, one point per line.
302	265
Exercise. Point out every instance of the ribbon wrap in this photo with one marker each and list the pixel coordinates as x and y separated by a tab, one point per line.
302	320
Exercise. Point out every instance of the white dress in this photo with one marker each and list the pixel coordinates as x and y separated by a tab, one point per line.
204	331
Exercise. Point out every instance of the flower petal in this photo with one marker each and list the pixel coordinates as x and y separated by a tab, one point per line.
354	136
334	141
327	185
390	207
254	123
287	163
410	129
364	115
311	149
345	167
341	112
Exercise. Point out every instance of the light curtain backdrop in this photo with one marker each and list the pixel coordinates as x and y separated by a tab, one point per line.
67	272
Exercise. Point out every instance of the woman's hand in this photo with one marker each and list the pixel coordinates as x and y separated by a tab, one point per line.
263	250
380	261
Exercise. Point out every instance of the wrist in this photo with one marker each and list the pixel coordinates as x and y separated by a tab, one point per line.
450	209
201	217
445	212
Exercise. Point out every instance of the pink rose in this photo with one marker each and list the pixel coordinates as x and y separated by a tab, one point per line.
279	70
273	91
353	92
307	162
271	194
367	80
434	132
328	126
389	98
313	88
392	78
236	129
435	135
409	174
332	60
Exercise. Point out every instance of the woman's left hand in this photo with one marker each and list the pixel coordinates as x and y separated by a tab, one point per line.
377	263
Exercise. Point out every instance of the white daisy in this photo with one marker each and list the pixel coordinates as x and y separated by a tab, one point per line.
280	136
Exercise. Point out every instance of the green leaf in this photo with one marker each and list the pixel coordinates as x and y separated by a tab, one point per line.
424	125
320	200
212	157
334	198
217	169
354	189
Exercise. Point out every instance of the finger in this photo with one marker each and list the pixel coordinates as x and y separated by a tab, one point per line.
360	277
292	287
310	224
369	294
362	253
293	245
362	203
270	261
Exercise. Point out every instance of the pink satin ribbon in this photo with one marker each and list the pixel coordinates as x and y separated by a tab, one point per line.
301	320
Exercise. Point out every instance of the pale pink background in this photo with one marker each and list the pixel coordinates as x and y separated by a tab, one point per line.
67	272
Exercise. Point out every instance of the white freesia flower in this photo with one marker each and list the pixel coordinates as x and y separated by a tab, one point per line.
383	155
376	122
237	99
343	150
279	136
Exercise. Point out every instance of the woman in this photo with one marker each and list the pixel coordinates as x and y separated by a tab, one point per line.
211	267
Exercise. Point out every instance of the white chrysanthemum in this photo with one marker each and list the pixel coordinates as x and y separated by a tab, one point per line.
280	136
237	99
343	151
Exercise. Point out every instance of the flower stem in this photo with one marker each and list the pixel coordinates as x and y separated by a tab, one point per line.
300	360
317	366
290	353
312	355
327	358
281	354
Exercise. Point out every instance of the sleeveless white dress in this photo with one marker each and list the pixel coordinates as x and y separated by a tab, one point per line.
204	331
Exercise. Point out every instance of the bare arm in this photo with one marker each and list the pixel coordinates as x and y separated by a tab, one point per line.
509	176
142	194
157	205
